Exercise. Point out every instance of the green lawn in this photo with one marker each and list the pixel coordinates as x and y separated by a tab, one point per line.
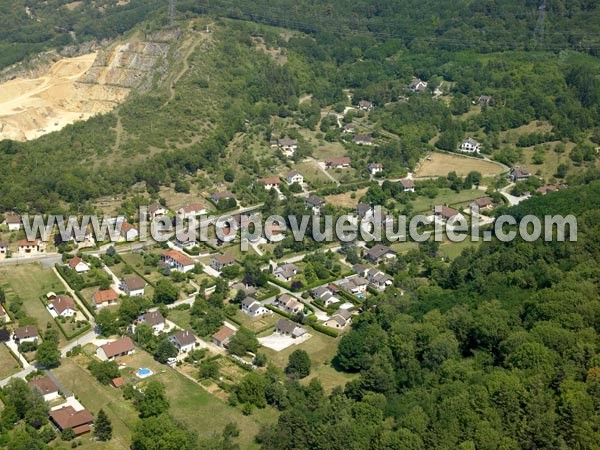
453	249
28	282
8	364
180	317
446	197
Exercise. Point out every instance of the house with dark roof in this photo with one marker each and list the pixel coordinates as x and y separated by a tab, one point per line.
481	203
221	195
219	262
45	386
407	184
254	308
470	145
116	349
155	319
341	162
26	334
184	340
286	272
364	210
417	85
519	174
289	304
288	328
363	139
62	306
445	212
379	253
68	418
354	285
339	320
133	286
375	168
314	203
365	105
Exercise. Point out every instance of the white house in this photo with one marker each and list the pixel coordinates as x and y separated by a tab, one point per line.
155	319
418	85
78	265
314	202
375	168
116	349
34	247
133	287
407	184
13	221
104	298
219	262
339	320
253	308
285	272
156	210
470	146
365	105
184	340
270	182
354	285
46	387
363	139
62	306
294	177
3	249
287	146
191	211
289	304
178	261
128	232
26	334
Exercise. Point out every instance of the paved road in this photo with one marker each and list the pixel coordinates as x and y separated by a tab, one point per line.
46	260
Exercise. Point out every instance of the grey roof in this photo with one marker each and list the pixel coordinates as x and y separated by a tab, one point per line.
378	251
286	326
314	200
248	301
153	318
184	337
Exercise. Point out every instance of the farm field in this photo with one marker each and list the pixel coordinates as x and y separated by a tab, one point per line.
441	164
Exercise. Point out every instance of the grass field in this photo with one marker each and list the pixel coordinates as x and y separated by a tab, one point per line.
190	403
446	197
345	200
28	282
551	161
8	364
453	249
441	164
312	174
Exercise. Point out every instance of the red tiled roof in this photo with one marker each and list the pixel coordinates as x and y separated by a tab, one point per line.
223	334
118	347
178	257
45	385
67	417
270	180
192	208
75	261
341	161
108	295
62	303
118	382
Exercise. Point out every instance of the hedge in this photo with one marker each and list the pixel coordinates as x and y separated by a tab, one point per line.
324	329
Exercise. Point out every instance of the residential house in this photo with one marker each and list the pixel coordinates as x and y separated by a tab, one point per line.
365	105
446	213
107	297
325	295
363	139
133	286
354	285
481	203
62	306
34	247
418	85
270	182
364	210
69	418
13	221
128	232
349	128
118	382
3	249
221	195
254	308
45	386
178	261
288	328
26	334
116	349
289	304
470	145
319	292
519	174
379	253
155	319
222	337
375	168
191	211
294	177
377	279
546	189
286	272
339	319
219	262
314	202
78	265
342	162
184	340
287	146
248	290
156	210
407	184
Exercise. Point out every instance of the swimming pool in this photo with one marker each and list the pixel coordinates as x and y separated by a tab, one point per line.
143	372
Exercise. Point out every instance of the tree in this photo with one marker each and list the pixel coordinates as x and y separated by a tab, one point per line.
242	342
153	401
37	412
103	427
298	364
159	433
107	322
165	350
208	369
104	371
48	354
165	292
